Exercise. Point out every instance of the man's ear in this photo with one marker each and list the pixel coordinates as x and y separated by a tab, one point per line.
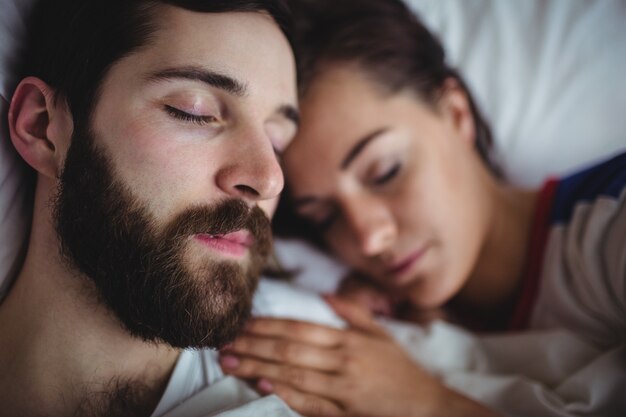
40	128
455	105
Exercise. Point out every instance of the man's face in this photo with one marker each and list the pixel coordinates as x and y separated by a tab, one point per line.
159	199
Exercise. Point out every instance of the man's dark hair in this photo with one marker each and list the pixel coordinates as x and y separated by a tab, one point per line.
73	43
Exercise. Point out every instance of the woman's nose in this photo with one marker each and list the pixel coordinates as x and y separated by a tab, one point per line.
372	223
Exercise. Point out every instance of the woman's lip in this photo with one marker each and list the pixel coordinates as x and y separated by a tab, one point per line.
405	264
234	244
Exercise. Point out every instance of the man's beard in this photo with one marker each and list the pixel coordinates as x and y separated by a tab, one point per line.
140	269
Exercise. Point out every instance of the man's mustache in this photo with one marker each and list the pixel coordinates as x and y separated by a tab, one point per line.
224	217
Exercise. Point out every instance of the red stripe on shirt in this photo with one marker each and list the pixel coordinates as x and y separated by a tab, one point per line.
534	258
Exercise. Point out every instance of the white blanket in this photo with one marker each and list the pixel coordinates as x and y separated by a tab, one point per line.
536	373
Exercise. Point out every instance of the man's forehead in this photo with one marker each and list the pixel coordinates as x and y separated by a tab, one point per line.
244	54
215	32
244	45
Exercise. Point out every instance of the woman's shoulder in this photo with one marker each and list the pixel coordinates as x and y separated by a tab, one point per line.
605	180
583	273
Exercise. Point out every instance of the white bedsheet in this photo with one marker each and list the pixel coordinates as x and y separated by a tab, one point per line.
536	373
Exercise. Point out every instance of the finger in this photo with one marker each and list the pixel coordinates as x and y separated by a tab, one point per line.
309	333
305	380
287	351
355	315
306	404
371	301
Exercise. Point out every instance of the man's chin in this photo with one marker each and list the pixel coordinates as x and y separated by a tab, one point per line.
205	326
210	308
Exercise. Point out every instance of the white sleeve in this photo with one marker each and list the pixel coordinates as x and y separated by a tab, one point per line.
231	397
533	373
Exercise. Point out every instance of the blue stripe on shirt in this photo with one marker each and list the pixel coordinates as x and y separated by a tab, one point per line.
606	179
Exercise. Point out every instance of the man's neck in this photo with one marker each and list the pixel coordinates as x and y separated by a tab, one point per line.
62	351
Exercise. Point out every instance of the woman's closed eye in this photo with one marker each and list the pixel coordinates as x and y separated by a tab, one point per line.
387	175
326	222
201	120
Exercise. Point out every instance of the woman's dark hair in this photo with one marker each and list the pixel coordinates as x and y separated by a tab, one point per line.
388	42
385	40
73	43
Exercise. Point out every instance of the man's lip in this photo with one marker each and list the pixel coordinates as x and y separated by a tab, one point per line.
241	237
403	265
233	243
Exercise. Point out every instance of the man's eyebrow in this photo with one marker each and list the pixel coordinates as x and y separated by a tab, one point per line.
211	78
360	145
221	81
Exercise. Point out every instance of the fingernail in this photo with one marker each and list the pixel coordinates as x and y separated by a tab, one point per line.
227	346
265	385
330	298
229	361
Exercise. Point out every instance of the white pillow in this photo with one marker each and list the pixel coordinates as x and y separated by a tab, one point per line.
14	207
549	77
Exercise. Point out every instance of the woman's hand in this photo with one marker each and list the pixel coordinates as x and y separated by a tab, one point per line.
322	371
357	289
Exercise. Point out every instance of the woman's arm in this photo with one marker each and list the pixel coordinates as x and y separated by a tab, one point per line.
360	371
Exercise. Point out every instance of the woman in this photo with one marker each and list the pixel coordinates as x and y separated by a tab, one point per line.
391	170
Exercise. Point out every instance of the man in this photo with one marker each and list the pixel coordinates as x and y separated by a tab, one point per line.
153	128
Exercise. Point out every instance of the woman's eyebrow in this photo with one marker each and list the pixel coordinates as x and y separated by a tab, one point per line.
291	113
354	152
360	145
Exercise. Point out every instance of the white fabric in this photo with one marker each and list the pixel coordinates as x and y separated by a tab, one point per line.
535	373
549	75
314	270
231	397
281	299
14	207
194	371
198	387
12	32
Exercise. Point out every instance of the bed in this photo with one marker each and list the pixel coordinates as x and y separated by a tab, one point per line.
549	76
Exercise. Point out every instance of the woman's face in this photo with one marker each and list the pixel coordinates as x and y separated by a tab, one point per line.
394	185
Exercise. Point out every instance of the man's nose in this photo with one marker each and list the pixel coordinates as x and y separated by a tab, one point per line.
372	223
252	171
